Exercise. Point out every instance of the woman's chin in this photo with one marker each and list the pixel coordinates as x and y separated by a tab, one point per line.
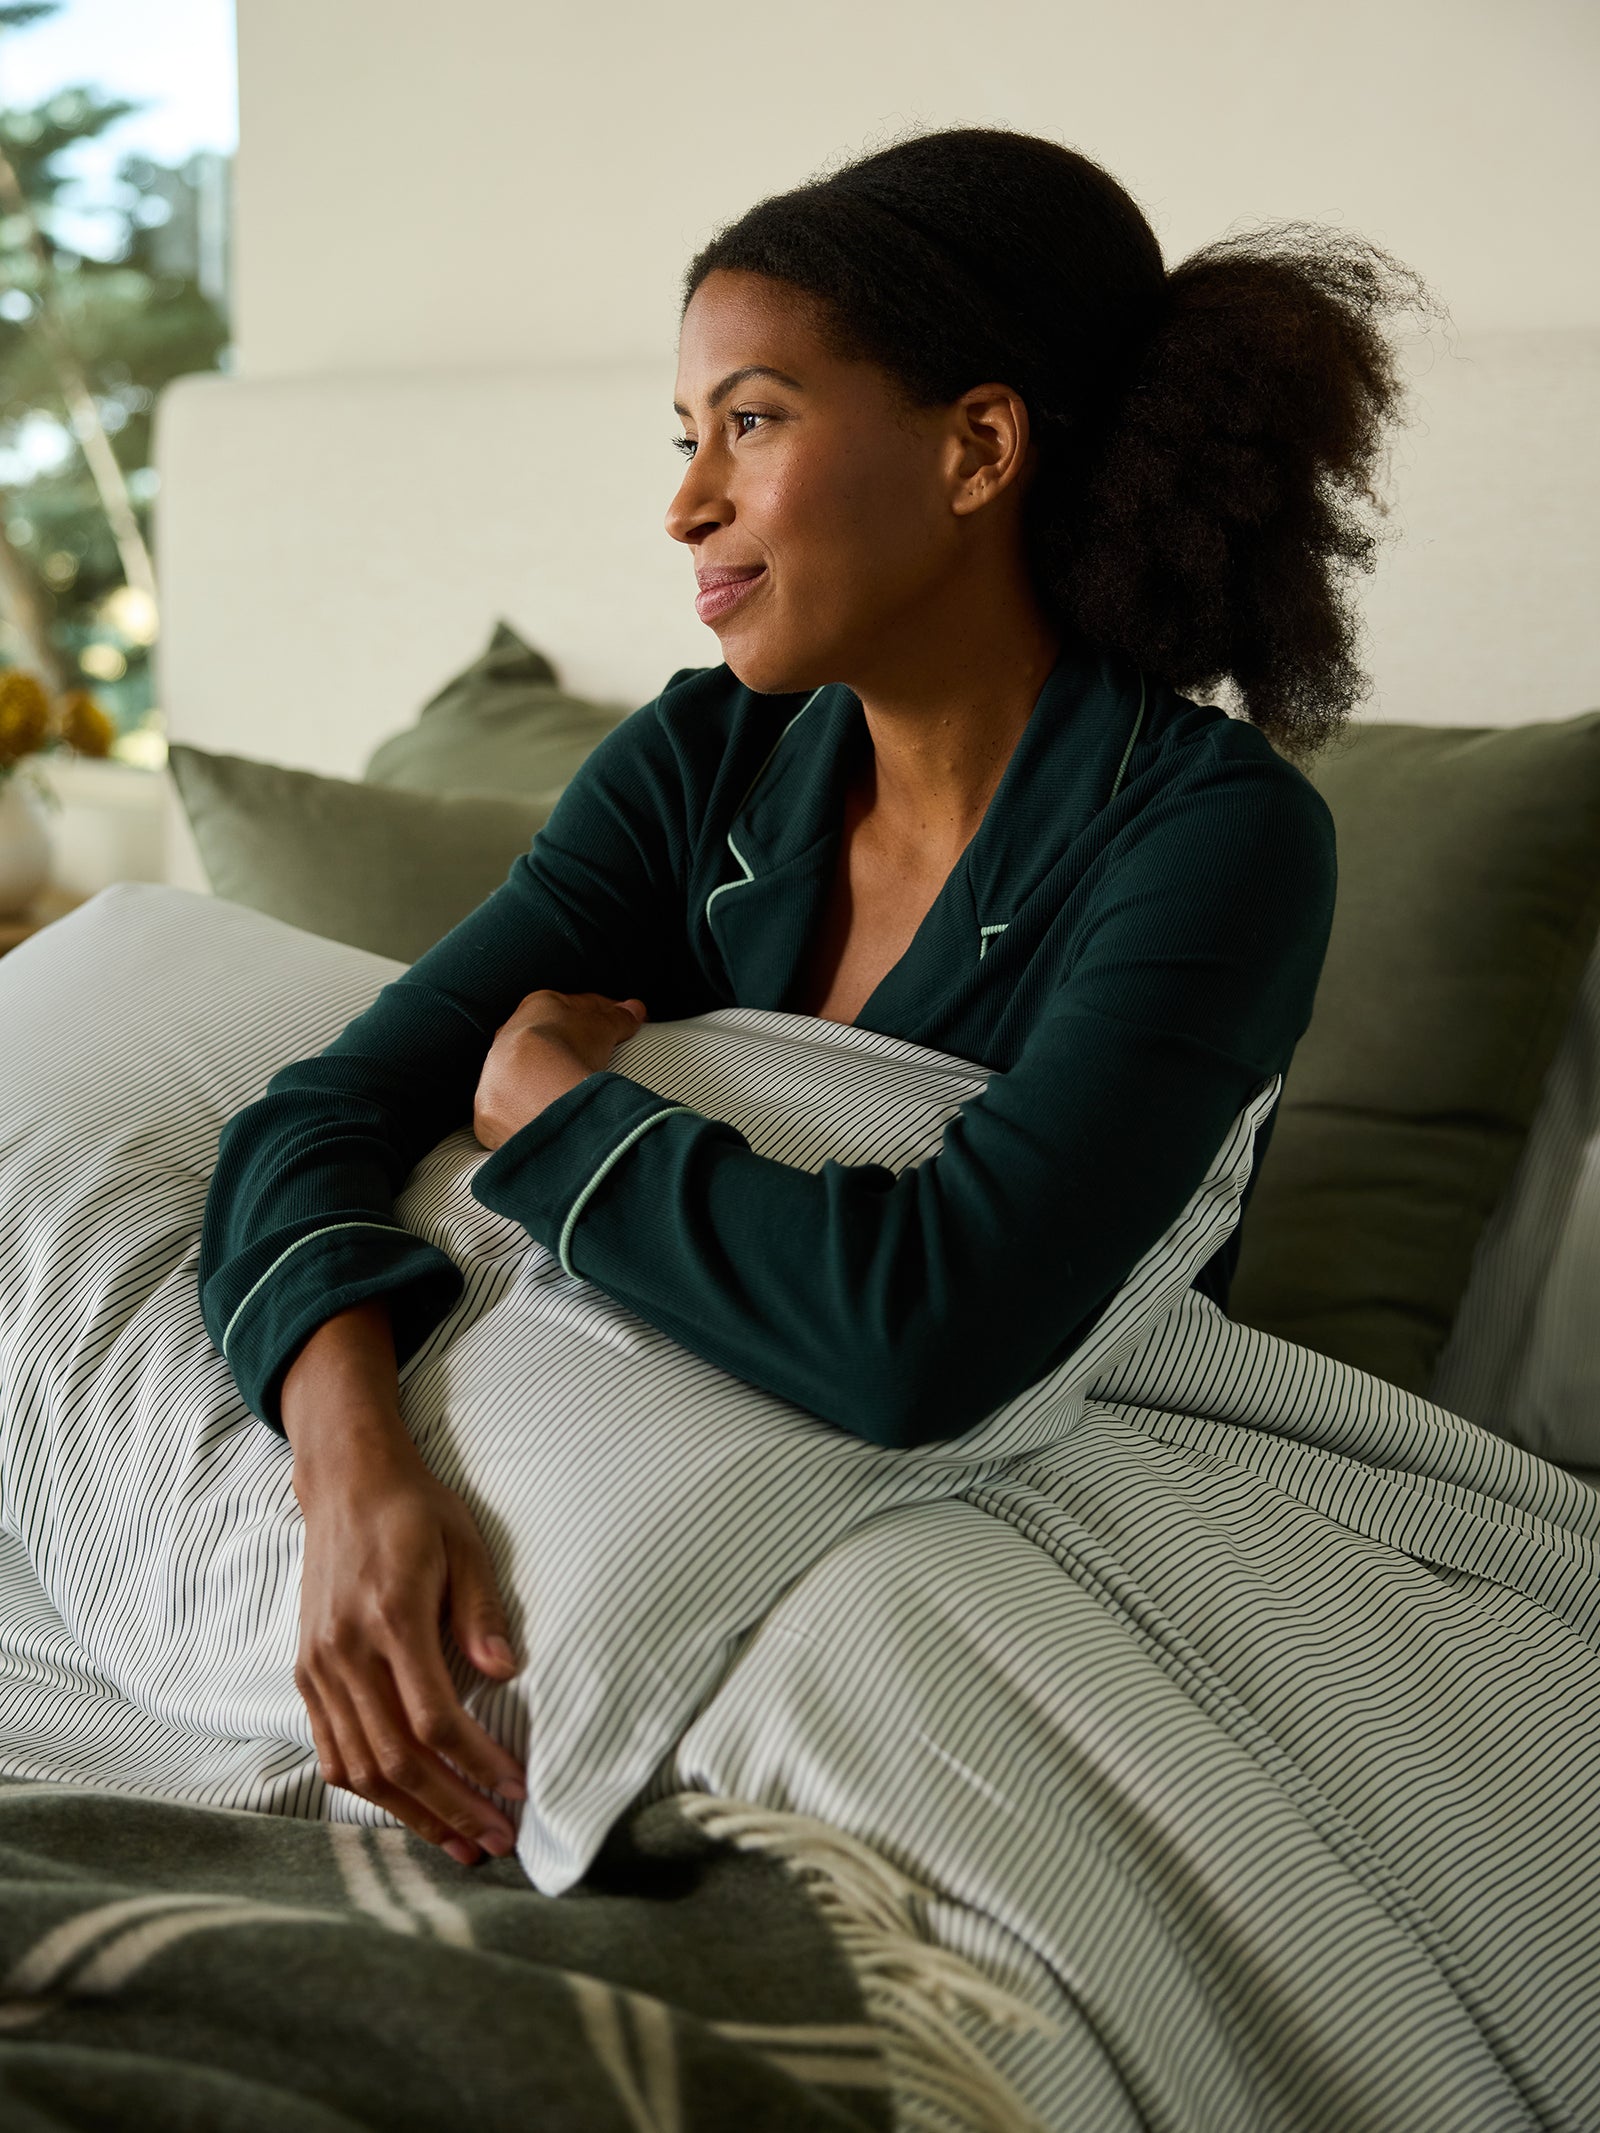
771	667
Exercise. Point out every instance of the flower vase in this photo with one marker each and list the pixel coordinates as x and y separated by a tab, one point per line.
24	849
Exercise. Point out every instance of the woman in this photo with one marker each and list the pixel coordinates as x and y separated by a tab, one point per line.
974	488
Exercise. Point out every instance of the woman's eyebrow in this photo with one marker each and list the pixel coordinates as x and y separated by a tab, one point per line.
737	377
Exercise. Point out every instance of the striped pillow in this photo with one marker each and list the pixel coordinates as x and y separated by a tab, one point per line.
644	1510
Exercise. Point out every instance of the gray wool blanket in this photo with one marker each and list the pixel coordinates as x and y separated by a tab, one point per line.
188	1968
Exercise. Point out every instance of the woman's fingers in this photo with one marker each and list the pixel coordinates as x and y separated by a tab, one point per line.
439	1722
394	1766
385	1715
353	1762
545	1048
477	1619
330	1759
564	1010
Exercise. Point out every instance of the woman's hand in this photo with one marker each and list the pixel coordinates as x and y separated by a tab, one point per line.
386	1554
388	1549
548	1044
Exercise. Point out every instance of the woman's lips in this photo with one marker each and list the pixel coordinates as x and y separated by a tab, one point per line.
721	590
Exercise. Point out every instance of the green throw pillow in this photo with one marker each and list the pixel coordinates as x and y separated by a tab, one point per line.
393	862
503	725
1469	895
382	869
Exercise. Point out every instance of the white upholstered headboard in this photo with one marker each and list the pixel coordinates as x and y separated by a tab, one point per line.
332	548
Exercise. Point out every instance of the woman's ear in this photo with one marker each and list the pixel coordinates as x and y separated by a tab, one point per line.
990	438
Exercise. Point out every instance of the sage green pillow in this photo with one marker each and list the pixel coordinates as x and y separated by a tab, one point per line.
502	725
382	869
1469	895
391	863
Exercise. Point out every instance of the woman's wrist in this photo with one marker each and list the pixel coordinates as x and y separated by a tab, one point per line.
342	1451
522	1081
549	1044
340	1404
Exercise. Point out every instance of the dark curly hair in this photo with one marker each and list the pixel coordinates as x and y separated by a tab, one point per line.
1207	439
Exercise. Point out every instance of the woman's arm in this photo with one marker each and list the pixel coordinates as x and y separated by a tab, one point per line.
908	1309
314	1292
389	1551
299	1221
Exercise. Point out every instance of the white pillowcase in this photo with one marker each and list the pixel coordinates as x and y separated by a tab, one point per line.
1524	1354
644	1510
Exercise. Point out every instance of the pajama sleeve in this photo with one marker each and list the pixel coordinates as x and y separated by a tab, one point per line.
908	1308
299	1221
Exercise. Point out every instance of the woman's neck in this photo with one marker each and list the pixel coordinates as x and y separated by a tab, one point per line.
945	711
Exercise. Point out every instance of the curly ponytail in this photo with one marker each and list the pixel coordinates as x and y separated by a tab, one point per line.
1207	440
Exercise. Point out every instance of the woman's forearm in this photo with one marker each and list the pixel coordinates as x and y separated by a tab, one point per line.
302	1199
341	1401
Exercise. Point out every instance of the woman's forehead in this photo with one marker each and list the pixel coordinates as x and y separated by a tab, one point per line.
760	330
737	320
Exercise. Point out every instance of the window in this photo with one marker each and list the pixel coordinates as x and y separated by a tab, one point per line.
117	128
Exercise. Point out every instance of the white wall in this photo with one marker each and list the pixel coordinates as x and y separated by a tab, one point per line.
504	180
435	205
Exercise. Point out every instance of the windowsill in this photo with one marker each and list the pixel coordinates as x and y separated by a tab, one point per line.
110	825
100	782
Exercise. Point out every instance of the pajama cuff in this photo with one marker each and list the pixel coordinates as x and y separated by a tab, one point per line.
545	1175
324	1272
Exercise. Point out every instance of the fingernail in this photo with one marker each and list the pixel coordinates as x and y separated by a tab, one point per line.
494	1841
512	1789
499	1651
463	1853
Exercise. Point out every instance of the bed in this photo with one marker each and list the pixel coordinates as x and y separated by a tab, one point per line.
1045	1817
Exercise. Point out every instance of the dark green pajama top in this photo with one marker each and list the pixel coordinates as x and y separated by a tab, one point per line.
1130	942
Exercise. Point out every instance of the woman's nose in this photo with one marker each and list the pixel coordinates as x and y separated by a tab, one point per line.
700	506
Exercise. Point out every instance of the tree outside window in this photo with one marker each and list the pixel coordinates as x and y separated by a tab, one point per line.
111	285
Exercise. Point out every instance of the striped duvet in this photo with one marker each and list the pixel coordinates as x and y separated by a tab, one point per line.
1235	1711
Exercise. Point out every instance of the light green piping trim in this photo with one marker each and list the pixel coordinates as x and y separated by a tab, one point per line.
617	1153
310	1237
748	872
1116	784
983	938
749	875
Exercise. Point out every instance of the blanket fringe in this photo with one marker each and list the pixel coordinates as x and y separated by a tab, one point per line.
915	1991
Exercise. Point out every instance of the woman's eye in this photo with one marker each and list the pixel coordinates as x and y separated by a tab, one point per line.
744	420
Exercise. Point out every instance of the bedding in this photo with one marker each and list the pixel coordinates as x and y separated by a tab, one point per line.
187	1967
504	724
1231	1710
381	868
643	1508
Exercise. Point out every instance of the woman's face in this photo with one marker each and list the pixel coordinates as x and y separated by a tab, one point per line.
827	517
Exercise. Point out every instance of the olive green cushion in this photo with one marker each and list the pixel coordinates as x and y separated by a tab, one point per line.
1469	895
393	861
503	725
387	870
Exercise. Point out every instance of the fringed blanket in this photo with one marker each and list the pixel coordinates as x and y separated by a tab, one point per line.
175	1967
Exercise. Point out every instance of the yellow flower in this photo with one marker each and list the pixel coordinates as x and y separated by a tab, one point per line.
84	726
24	716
